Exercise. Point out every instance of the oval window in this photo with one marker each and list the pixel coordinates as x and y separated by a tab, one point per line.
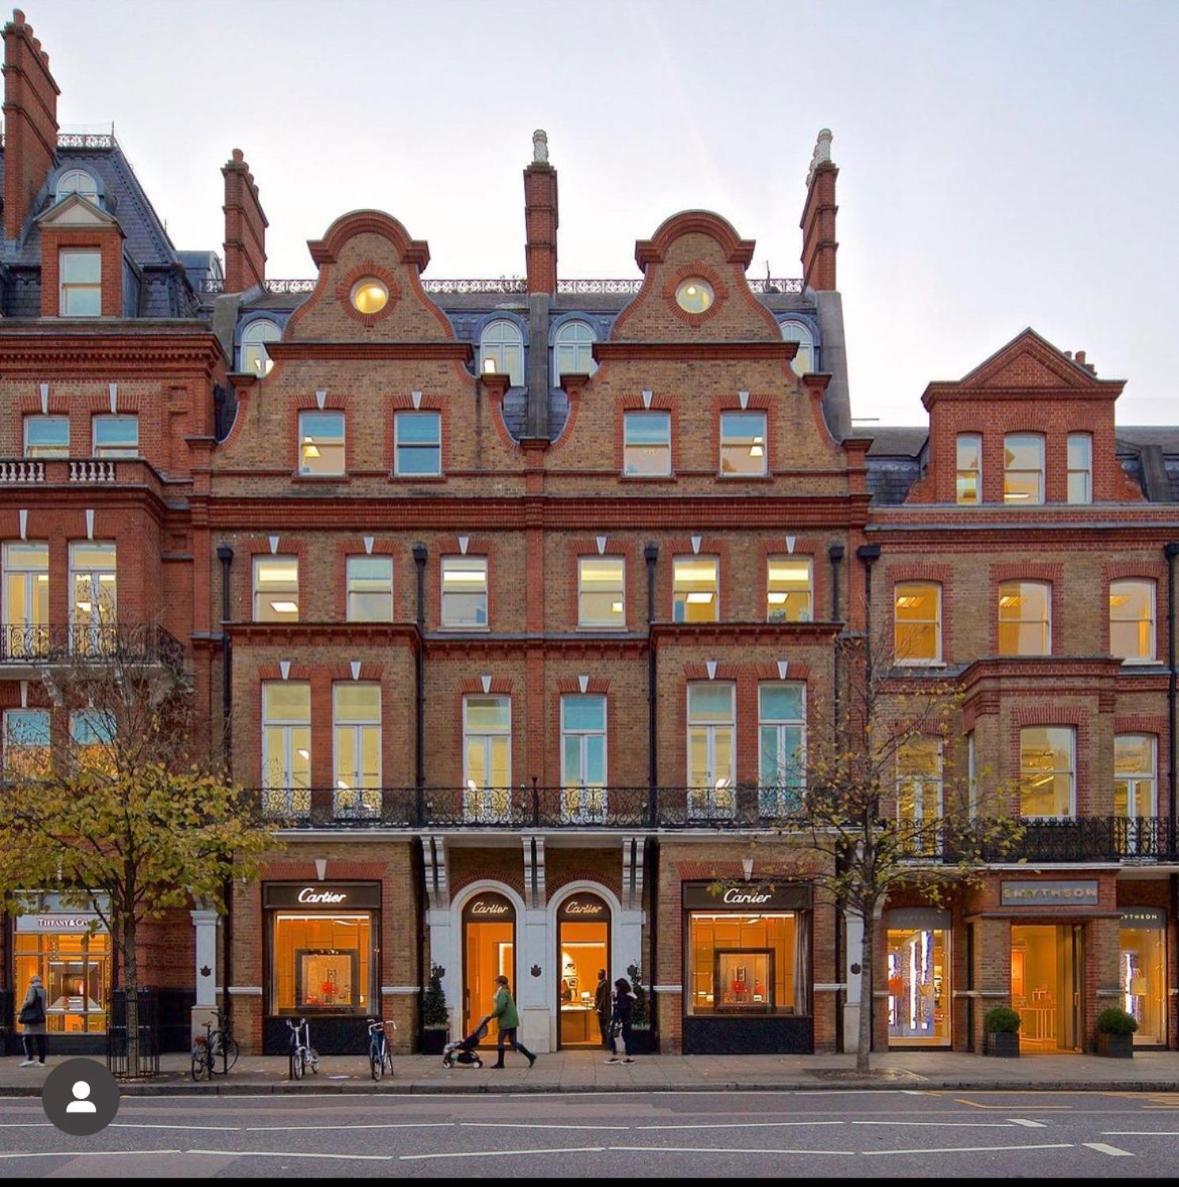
694	295
369	296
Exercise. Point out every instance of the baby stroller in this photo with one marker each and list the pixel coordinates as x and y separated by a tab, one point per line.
466	1050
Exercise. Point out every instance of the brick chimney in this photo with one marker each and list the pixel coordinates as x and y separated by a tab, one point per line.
30	121
540	218
818	219
245	227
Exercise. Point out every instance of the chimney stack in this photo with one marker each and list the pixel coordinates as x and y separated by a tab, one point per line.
30	122
818	219
245	227
540	218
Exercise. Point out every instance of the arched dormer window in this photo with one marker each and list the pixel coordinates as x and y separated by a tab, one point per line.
501	350
78	181
574	350
253	350
804	360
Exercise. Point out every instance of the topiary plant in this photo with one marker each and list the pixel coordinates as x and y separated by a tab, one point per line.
434	1011
1114	1021
1001	1020
641	1017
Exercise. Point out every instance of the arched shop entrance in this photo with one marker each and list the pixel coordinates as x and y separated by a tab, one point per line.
489	949
583	948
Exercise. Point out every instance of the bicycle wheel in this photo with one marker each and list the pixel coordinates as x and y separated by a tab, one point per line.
376	1062
198	1063
297	1064
312	1057
388	1059
232	1051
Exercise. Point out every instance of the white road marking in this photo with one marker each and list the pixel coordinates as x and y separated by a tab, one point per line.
974	1149
529	1125
161	1125
745	1125
1103	1148
955	1124
25	1125
279	1154
90	1153
364	1125
719	1150
1026	1123
1140	1133
502	1153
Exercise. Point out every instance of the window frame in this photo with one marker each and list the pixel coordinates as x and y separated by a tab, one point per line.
650	415
1012	497
307	418
714	804
92	193
907	782
1085	471
488	737
44	751
251	339
258	562
785	796
578	347
112	452
294	797
583	734
1151	587
1071	732
807	341
790	558
730	445
976	474
616	623
67	287
467	561
1046	622
26	576
416	447
56	451
87	633
493	342
1134	779
356	798
349	592
937	621
677	606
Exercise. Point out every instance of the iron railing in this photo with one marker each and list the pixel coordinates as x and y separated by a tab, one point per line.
142	643
510	286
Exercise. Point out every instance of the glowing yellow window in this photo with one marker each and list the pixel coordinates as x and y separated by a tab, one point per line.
695	591
917	623
369	296
694	295
788	593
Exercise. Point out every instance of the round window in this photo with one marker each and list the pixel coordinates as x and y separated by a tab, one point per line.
694	295
369	296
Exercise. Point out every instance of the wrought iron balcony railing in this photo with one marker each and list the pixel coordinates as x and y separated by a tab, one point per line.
509	285
142	643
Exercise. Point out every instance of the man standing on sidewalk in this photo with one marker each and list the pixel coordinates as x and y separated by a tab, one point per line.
602	1007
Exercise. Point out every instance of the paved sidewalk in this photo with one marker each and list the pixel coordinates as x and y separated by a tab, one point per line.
585	1071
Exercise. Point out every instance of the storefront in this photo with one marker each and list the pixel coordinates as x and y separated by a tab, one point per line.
918	971
747	968
583	946
71	951
322	960
489	950
1142	972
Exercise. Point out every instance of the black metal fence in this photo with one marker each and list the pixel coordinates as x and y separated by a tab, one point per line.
139	643
117	1055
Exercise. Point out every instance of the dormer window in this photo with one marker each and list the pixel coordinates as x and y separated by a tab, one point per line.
77	181
804	359
80	280
501	351
254	358
574	354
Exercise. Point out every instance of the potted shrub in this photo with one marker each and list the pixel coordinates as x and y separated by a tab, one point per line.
435	1016
1115	1033
642	1033
1001	1025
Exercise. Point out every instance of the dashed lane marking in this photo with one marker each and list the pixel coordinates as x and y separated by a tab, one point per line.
503	1153
281	1154
363	1125
944	1124
730	1150
973	1149
90	1153
744	1125
1104	1148
1026	1123
534	1125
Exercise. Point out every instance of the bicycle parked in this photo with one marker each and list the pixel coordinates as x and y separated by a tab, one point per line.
303	1054
380	1053
213	1045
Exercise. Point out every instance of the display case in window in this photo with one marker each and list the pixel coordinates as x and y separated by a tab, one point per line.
744	980
327	980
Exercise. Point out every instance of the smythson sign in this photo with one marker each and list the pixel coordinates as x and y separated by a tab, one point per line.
322	895
1049	894
747	896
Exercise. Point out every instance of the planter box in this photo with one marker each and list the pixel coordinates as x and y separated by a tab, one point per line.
432	1040
1115	1046
642	1042
1003	1043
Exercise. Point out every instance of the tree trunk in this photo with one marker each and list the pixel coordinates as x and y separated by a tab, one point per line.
867	947
131	993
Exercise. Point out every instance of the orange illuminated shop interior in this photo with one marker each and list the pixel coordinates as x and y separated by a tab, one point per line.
75	970
489	952
583	954
918	989
322	962
745	964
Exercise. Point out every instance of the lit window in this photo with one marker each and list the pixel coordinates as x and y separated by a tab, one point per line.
1047	781
742	963
804	357
321	443
695	591
712	755
26	598
1080	468
574	350
969	468
501	351
47	436
26	743
601	591
487	758
80	279
92	734
694	295
356	755
369	296
917	623
93	580
743	443
583	757
919	780
1131	620
1134	775
276	589
115	436
464	591
781	770
417	443
370	588
1023	468
1025	618
286	748
78	181
788	593
254	358
646	446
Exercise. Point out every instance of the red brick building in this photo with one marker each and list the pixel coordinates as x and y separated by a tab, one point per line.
510	599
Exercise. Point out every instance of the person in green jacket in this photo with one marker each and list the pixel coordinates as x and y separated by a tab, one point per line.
508	1021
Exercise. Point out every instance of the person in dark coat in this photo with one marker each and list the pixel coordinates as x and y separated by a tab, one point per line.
620	1021
602	1006
32	1021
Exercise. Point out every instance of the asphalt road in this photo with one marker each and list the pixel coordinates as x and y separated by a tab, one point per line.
823	1133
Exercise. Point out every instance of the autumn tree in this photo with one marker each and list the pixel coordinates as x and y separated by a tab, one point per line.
127	819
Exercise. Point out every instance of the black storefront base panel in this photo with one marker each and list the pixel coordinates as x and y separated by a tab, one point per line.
338	1035
778	1035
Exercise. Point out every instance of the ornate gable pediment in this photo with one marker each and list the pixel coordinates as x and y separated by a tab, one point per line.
75	211
1029	361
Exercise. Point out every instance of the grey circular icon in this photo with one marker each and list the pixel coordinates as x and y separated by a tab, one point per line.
80	1097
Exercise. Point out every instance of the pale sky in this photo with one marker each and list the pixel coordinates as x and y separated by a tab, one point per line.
1001	164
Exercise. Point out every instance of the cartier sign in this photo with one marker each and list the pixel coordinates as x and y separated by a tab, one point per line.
752	896
489	908
325	895
584	906
1049	894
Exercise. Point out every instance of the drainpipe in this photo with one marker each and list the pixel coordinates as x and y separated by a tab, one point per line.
835	553
419	559
651	555
869	554
1171	551
225	556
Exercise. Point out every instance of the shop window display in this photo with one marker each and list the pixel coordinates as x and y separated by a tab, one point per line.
75	968
747	964
1141	979
322	962
918	987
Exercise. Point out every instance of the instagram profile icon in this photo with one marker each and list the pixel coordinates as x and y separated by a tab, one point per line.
80	1097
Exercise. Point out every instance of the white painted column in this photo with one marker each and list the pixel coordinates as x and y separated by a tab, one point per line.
205	923
854	925
535	996
444	951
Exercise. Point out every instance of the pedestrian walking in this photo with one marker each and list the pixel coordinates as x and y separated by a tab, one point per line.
620	1022
603	1006
32	1020
508	1020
